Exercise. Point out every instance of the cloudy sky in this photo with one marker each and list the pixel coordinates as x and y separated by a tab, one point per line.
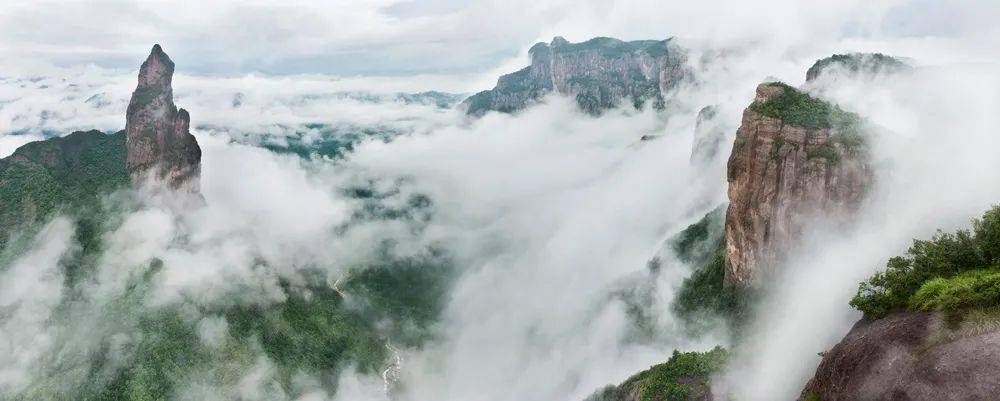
404	37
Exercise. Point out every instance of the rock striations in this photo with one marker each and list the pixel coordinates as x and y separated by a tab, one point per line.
601	73
157	141
794	157
912	356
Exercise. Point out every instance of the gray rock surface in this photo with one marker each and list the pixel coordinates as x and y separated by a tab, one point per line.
912	356
601	73
157	137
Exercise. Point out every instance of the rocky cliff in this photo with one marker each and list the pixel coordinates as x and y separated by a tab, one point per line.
157	140
601	73
931	326
912	356
794	157
70	173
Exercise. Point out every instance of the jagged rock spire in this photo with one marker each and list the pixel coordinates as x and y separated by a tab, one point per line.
158	143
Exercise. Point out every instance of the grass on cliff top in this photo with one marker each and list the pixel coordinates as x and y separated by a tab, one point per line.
795	107
971	289
949	272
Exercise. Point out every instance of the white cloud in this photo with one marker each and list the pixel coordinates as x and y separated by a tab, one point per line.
31	289
406	37
544	212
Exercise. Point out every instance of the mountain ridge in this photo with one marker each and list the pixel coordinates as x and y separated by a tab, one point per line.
600	74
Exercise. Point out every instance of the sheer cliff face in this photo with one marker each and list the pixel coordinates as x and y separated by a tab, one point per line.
912	356
601	73
788	166
157	139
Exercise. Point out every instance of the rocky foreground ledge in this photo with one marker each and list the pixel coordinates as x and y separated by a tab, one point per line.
912	356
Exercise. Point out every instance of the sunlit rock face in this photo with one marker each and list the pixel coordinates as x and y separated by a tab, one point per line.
157	137
794	158
601	73
912	356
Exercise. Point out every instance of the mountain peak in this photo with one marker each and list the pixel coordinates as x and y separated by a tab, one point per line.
157	137
157	70
601	73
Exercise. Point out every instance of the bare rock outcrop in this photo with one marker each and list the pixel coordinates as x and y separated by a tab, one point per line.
912	356
158	142
794	158
601	73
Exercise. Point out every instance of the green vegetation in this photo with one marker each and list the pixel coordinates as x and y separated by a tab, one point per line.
812	397
479	103
313	331
310	332
826	151
799	108
701	239
409	294
68	173
158	353
976	288
145	95
595	89
703	294
683	377
949	272
857	62
613	48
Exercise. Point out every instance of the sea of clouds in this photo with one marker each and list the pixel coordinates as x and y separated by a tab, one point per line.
546	213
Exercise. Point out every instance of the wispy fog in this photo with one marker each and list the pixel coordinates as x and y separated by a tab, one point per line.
548	215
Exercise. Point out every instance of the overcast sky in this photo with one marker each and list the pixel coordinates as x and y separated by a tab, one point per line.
404	37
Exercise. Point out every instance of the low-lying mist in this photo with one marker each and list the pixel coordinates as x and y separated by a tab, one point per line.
547	217
936	169
541	223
